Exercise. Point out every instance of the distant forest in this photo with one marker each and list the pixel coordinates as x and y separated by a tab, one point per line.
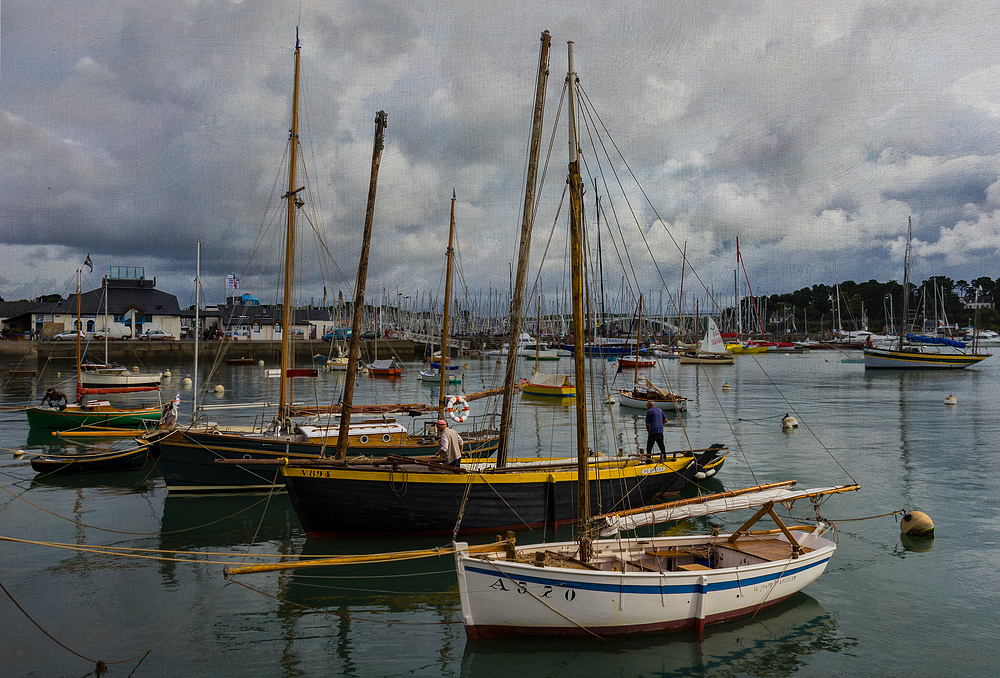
881	303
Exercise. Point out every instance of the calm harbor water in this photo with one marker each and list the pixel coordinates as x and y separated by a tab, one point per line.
885	606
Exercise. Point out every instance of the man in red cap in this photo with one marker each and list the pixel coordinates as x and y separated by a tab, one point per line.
451	445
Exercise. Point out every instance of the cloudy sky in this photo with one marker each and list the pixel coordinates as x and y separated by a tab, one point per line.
130	130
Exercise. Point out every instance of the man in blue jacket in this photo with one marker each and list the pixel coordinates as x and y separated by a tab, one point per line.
654	429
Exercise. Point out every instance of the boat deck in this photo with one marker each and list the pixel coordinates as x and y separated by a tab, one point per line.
688	558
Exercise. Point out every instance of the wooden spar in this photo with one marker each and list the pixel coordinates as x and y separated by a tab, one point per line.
293	201
576	248
381	122
527	220
443	365
369	558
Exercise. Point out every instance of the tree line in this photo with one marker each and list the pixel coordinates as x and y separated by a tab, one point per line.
815	309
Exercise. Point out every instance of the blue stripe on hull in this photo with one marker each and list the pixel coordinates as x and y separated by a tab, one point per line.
655	589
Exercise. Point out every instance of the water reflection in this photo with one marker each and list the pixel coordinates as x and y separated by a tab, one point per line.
773	643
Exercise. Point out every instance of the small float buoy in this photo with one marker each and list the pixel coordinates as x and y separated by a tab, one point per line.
726	387
917	524
951	400
166	374
186	381
135	368
18	454
789	422
610	400
219	388
465	366
58	374
260	363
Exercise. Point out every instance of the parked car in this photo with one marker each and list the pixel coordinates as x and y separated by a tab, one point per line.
340	333
370	334
153	335
69	335
111	334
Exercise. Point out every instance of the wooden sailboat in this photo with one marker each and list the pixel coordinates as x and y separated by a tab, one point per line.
617	586
542	383
643	390
711	350
916	352
635	360
354	497
80	413
188	455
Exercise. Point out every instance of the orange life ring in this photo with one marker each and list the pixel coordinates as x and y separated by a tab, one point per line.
458	408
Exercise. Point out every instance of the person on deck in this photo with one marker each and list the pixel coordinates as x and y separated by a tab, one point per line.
55	398
654	429
451	445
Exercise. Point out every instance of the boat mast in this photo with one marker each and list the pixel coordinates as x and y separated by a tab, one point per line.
527	219
442	366
576	248
197	331
79	328
294	202
906	284
381	121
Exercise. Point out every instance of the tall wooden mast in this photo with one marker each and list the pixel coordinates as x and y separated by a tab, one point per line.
576	248
443	365
527	219
381	122
294	202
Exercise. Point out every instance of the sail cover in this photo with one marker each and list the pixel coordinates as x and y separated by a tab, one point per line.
552	380
618	522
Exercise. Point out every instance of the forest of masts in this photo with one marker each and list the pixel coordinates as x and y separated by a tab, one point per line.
938	304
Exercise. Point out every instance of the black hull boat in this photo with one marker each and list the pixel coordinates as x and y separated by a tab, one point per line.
336	500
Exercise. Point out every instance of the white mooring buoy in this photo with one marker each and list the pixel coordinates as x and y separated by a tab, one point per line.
219	388
726	387
917	524
789	422
951	400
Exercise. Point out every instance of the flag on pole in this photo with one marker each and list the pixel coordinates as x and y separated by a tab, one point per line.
88	264
232	282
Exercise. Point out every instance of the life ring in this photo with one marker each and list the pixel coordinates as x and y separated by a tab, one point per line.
458	408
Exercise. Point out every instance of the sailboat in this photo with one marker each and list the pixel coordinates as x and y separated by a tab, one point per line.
436	374
711	350
108	378
92	413
618	586
643	390
188	455
918	352
543	383
355	497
